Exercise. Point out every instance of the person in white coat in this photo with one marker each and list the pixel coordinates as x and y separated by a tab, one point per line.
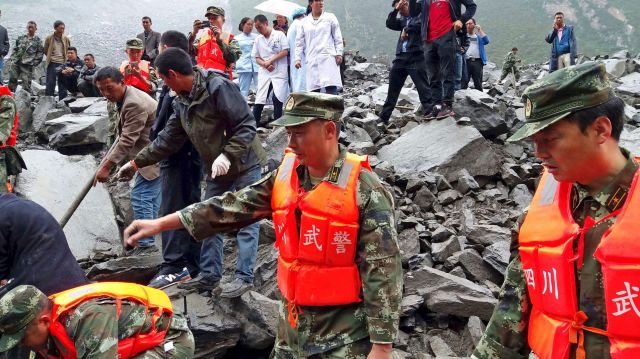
298	76
270	51
319	39
246	66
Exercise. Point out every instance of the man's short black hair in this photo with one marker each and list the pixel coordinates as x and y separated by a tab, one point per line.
109	72
173	38
473	20
559	13
514	49
174	59
31	22
147	18
71	48
612	109
90	55
261	19
57	23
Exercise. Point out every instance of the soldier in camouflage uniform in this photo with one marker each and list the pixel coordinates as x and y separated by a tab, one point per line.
510	64
225	41
27	54
575	122
359	330
11	163
94	326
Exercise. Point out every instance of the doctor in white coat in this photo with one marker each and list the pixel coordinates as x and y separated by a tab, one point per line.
298	75
320	40
270	51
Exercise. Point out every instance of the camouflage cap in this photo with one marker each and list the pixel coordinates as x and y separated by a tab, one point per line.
561	93
214	10
135	43
17	309
303	107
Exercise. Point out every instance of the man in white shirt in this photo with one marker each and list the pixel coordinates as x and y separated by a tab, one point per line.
270	51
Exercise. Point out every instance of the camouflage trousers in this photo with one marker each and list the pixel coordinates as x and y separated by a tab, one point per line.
507	70
20	72
356	350
182	343
4	178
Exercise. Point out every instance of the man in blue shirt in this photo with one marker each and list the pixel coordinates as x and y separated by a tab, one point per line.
476	55
564	48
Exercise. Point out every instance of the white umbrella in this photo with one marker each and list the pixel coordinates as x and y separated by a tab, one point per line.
278	7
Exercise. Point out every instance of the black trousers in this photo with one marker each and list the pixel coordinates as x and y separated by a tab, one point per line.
277	107
440	57
52	77
474	70
407	64
180	187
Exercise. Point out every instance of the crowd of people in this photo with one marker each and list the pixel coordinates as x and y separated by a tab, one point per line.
339	269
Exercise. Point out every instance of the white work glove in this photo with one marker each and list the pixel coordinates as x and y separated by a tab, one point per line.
220	166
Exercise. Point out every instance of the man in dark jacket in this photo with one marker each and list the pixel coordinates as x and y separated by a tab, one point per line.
211	112
87	74
68	73
4	47
180	176
34	251
441	19
564	48
409	60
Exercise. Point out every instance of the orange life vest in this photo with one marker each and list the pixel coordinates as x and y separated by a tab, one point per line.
317	267
155	300
210	54
549	263
135	81
11	141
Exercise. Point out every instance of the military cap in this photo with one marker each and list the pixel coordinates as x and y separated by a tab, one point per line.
561	93
135	43
214	10
303	107
17	309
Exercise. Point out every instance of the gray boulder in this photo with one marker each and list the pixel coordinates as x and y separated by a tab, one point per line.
275	144
46	110
137	269
474	267
443	147
365	70
630	84
53	181
481	109
77	130
448	294
25	112
98	107
488	234
616	67
83	103
497	256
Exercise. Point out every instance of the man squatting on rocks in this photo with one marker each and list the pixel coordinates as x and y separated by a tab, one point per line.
571	288
211	112
339	267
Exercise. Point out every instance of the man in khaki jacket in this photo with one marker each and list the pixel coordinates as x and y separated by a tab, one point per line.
135	113
55	48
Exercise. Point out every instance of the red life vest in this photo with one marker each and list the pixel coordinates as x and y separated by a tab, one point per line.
135	81
11	141
317	267
549	264
155	300
210	54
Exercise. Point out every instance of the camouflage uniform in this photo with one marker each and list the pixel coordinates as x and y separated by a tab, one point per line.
27	54
510	65
136	43
10	161
93	326
230	52
344	331
507	332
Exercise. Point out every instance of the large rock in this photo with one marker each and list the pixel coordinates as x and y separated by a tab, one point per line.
54	180
631	140
379	95
25	112
443	147
275	144
83	103
214	331
365	70
137	269
448	294
258	318
630	84
488	234
616	67
474	267
97	108
497	256
77	130
46	110
481	109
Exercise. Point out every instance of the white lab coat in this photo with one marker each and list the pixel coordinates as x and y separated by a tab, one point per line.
279	77
320	41
298	76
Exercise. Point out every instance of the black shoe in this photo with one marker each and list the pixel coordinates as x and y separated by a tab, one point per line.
432	113
199	283
445	111
162	281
